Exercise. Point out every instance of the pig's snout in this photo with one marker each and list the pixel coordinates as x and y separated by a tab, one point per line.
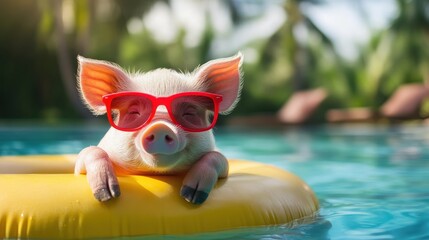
160	138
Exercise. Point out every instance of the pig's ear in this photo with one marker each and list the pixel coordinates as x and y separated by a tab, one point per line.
223	76
98	78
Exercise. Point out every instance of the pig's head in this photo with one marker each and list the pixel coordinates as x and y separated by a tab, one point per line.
161	145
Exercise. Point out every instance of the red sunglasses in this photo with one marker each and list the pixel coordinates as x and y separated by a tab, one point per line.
192	111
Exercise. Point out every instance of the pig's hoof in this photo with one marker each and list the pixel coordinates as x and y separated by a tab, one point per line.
104	194
192	195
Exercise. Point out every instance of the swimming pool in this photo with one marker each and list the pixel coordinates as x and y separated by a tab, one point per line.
372	181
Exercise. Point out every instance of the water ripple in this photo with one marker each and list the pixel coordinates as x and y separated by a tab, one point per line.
371	180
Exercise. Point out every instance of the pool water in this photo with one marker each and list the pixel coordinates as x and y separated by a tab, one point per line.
372	181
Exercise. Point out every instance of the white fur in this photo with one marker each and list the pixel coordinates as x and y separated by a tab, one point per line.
125	148
163	82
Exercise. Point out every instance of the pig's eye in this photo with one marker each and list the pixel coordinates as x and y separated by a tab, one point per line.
190	114
130	111
133	110
190	111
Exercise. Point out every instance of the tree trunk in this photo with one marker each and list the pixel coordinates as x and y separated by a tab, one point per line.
67	71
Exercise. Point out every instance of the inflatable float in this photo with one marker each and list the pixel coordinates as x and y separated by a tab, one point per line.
50	202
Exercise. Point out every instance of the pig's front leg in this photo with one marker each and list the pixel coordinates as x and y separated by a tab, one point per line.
202	177
99	172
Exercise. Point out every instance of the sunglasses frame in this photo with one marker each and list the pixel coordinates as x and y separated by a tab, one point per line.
164	101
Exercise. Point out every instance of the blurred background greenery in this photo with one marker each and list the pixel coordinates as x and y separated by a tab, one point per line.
360	52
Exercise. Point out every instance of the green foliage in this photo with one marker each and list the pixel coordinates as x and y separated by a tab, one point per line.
41	39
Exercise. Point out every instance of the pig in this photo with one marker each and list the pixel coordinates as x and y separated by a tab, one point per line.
161	147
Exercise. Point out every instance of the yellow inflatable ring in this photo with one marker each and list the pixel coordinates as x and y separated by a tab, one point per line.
53	203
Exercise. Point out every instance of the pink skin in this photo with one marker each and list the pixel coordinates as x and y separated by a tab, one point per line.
160	139
161	147
100	173
197	184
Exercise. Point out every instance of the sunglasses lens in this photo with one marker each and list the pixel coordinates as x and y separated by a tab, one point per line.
131	112
193	112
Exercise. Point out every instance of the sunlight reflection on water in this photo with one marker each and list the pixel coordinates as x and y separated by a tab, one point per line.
371	180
